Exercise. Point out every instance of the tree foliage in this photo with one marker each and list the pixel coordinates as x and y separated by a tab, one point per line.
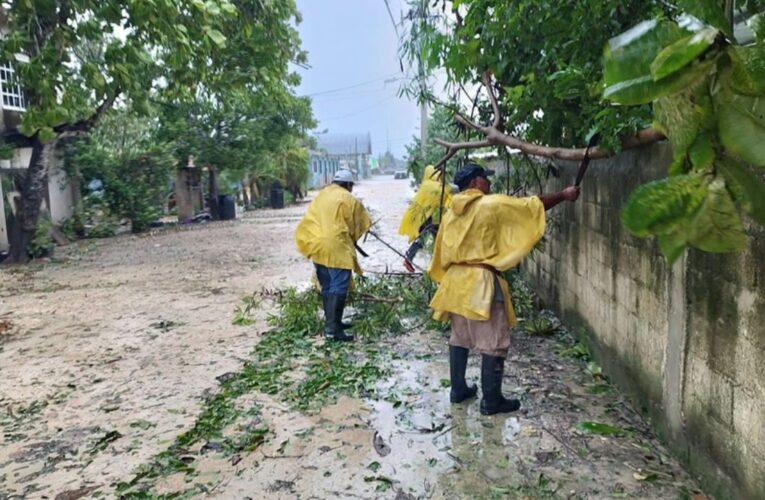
547	66
440	125
680	70
84	56
132	165
707	94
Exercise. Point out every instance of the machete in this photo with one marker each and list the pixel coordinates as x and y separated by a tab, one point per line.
586	160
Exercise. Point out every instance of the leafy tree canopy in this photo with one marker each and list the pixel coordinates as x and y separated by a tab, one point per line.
547	65
83	57
85	53
680	69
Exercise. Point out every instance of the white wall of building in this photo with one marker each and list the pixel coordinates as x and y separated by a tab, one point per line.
3	229
21	158
60	193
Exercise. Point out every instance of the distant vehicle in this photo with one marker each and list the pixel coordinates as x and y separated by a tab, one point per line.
400	174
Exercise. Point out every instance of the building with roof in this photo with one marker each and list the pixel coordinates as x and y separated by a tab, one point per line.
321	167
355	150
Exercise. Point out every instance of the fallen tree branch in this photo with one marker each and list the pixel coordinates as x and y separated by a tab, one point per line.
371	298
496	137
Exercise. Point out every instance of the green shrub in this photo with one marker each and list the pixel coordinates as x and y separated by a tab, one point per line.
42	244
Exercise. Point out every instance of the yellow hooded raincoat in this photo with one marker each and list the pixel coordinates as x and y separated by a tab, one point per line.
335	220
425	203
481	232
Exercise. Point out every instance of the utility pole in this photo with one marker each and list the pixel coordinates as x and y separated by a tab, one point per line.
423	126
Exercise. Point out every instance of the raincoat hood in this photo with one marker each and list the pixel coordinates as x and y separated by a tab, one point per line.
431	174
461	201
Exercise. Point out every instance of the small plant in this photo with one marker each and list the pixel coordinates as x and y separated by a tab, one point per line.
542	324
42	243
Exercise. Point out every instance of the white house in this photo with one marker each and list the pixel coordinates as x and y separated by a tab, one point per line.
61	196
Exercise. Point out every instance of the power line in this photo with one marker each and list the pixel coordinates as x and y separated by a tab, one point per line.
378	103
361	84
390	13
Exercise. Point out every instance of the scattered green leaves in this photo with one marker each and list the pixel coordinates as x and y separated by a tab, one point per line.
103	442
600	429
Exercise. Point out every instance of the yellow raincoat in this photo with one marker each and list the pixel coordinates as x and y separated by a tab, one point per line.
493	231
425	203
335	220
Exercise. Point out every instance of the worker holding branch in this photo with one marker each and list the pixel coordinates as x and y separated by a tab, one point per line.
327	235
482	236
421	217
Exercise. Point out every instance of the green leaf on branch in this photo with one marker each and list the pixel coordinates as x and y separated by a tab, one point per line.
47	134
644	89
681	116
741	125
681	53
702	152
710	12
216	36
663	206
717	226
747	72
747	187
672	245
628	57
757	23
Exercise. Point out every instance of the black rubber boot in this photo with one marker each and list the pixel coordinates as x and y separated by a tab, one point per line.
493	401
458	357
329	317
334	330
344	325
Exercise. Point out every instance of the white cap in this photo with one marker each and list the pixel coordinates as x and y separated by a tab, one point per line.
343	176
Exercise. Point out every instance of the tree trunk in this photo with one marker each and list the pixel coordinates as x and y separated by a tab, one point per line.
245	195
213	201
33	189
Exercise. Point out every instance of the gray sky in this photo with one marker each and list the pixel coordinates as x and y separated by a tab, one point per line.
351	43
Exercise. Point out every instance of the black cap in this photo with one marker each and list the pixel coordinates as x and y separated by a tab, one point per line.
469	172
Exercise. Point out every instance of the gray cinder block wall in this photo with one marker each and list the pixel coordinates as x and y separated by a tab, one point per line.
686	341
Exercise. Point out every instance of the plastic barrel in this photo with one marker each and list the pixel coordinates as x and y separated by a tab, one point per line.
277	196
227	207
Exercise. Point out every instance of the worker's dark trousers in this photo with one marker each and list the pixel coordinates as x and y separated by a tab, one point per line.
333	281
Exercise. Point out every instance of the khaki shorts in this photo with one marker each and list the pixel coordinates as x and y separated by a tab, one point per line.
491	337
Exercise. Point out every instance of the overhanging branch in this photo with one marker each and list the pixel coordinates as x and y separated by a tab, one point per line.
496	137
89	122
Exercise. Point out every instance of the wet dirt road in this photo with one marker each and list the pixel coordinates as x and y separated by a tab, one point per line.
108	355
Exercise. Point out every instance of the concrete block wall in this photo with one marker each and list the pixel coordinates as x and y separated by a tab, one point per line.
686	341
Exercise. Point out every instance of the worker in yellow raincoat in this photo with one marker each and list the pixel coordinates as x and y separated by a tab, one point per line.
482	236
421	217
327	235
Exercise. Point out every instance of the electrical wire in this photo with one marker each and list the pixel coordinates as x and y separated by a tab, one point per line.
356	85
358	112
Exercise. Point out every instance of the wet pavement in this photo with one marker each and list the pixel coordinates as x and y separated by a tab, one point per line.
575	437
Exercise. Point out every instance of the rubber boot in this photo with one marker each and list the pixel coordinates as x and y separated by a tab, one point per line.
458	357
343	324
329	317
493	401
335	306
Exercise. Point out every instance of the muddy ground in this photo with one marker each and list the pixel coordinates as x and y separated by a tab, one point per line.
112	350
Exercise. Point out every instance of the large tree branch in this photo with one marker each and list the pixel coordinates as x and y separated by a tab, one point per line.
453	147
496	137
91	121
493	99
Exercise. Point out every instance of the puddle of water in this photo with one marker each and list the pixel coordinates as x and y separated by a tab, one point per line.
437	448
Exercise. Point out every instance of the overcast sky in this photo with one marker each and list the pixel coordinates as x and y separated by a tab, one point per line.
352	43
